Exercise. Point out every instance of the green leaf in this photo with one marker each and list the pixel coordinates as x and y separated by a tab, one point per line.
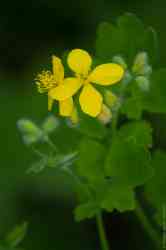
129	159
156	186
108	194
119	197
86	211
156	99
90	159
151	45
134	104
139	133
16	236
132	108
126	38
111	194
92	127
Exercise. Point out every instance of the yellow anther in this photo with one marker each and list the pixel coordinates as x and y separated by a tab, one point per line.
45	81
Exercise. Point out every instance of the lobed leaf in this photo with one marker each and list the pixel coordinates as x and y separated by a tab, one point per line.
90	160
86	211
126	38
92	127
129	159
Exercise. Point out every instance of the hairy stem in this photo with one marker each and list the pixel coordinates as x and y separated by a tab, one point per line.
102	235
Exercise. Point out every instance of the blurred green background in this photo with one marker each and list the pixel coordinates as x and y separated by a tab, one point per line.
30	32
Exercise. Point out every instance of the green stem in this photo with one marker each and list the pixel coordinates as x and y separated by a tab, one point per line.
37	152
52	145
114	124
102	235
153	234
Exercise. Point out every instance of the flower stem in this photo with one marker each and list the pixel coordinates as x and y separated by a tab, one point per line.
51	144
37	152
153	234
102	235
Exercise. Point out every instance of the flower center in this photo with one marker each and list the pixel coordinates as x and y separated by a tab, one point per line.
83	78
45	81
86	81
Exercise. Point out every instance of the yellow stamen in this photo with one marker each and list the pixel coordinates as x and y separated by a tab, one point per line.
45	81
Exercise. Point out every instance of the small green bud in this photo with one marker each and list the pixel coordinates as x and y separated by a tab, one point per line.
50	124
27	126
147	70
143	83
119	60
110	99
140	62
30	131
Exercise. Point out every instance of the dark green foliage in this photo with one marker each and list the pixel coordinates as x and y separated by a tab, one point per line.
107	163
15	238
91	128
126	38
156	99
155	188
90	159
129	158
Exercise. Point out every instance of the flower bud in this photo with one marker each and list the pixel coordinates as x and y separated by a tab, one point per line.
119	60
140	62
106	115
143	83
110	99
147	70
50	124
30	131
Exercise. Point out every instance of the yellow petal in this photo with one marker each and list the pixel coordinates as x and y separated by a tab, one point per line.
66	107
79	61
65	90
106	74
58	69
90	100
50	103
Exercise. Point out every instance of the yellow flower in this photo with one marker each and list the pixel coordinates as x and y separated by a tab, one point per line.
50	82
90	99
